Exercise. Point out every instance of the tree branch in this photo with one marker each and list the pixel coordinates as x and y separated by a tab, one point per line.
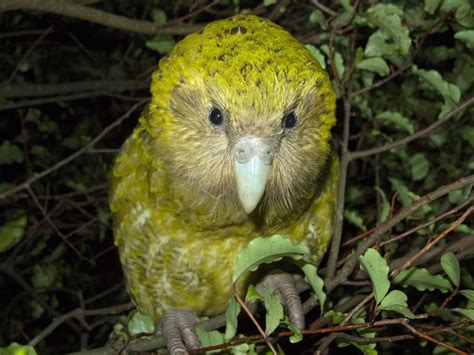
412	137
66	8
78	313
73	156
41	90
350	264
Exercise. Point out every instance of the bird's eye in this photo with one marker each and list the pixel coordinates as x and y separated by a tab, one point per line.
289	121
216	117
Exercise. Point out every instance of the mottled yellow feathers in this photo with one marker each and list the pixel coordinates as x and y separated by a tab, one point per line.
178	221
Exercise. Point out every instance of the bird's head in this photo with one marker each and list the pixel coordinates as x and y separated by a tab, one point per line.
242	114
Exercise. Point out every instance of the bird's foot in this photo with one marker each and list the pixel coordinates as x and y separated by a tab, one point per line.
178	328
283	285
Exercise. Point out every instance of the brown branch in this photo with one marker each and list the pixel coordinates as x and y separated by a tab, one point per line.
384	228
340	197
431	339
41	90
66	8
47	100
52	224
382	81
26	184
345	160
428	246
428	223
330	330
27	54
412	137
323	8
78	313
263	334
15	275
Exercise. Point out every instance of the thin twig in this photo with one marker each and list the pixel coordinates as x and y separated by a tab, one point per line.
73	156
52	224
383	228
412	137
78	313
382	81
255	322
27	54
428	223
323	8
428	246
431	339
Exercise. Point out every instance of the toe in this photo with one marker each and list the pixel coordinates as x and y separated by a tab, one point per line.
284	286
178	328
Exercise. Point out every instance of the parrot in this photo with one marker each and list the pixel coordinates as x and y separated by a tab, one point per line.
235	144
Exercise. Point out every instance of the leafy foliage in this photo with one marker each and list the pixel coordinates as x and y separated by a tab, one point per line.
398	67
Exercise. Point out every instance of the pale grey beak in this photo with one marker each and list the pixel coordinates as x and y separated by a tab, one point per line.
252	163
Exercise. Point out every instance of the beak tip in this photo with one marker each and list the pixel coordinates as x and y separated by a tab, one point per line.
248	207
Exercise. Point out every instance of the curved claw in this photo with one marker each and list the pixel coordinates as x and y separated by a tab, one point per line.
284	286
177	326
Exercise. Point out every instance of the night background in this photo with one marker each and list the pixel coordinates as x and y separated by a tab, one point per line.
74	78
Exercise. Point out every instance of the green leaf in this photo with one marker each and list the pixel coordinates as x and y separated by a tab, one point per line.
252	294
10	153
353	217
469	313
431	6
45	275
339	63
405	196
402	310
343	18
316	283
462	228
318	55
297	335
450	92
387	17
419	166
12	232
231	313
468	135
274	309
18	349
317	17
269	2
377	268
338	60
163	44
467	37
141	324
450	265
396	301
378	45
209	338
376	65
159	17
385	211
462	11
461	195
397	120
264	250
346	5
469	294
422	280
